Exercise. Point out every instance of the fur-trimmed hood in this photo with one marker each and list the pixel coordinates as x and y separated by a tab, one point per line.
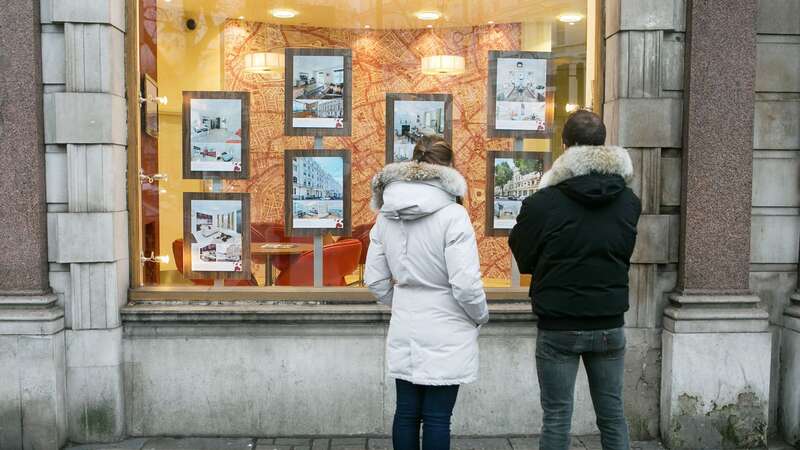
583	160
409	190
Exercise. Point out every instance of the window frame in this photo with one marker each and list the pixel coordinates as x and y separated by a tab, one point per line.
326	295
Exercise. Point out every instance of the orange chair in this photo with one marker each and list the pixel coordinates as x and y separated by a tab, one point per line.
177	252
361	232
339	259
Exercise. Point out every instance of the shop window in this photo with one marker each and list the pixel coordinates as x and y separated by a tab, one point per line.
324	94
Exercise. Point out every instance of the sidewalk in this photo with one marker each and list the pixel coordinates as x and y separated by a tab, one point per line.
361	443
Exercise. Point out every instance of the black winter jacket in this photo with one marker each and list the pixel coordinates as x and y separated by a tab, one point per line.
576	236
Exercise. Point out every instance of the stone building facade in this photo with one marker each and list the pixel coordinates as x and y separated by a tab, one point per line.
706	95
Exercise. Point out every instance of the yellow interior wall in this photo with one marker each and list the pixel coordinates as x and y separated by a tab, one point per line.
187	61
536	37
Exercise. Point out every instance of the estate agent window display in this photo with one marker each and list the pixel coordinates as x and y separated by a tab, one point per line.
317	102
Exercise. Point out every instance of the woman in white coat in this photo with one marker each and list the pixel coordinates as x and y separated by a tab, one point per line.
423	262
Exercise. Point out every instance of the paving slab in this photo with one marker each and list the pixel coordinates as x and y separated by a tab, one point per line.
480	444
531	443
294	442
348	443
320	444
129	444
199	444
379	444
267	446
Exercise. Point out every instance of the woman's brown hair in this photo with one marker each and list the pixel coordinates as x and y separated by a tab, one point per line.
433	151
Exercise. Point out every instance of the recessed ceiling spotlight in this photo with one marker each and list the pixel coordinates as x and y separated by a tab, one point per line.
367	27
241	17
282	13
491	22
430	26
570	18
428	15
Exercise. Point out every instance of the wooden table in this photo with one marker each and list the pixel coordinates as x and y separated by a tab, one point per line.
258	250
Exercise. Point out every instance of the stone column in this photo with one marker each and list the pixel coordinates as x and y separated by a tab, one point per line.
85	132
32	413
716	344
789	409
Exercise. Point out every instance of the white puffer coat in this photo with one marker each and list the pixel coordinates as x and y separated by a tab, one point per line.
423	262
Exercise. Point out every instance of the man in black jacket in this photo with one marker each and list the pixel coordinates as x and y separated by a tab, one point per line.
575	235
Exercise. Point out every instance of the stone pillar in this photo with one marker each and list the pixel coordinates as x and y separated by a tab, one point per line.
32	381
85	132
716	340
789	409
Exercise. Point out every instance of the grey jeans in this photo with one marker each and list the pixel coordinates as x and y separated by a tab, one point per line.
603	353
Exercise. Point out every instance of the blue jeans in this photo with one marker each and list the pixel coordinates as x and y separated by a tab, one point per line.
603	353
431	405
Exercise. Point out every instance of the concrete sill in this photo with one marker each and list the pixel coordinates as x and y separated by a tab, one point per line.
170	312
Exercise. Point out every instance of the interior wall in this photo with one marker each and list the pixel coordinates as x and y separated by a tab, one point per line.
188	60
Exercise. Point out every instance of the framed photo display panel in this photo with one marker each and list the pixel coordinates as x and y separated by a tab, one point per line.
409	117
150	107
216	236
510	178
317	192
520	95
318	92
216	134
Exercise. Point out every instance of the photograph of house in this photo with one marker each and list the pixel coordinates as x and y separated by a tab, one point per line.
317	192
215	135
216	231
414	119
317	91
514	180
520	98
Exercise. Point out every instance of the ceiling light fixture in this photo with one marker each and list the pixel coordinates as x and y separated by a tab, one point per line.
491	22
367	27
263	62
570	18
429	26
241	17
443	65
282	13
428	15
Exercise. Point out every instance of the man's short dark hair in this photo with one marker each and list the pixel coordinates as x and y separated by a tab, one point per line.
583	127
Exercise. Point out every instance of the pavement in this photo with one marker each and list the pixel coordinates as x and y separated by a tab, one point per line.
354	443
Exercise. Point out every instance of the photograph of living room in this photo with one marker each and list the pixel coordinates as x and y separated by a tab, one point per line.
317	192
317	91
216	235
514	177
520	94
414	120
215	135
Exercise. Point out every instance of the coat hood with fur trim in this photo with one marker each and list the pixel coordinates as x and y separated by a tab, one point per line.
444	182
583	160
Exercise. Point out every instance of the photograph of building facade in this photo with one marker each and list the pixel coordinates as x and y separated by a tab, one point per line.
514	180
104	338
317	192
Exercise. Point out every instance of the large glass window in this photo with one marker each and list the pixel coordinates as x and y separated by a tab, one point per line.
264	122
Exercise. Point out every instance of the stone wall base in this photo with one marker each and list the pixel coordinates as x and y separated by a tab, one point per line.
715	390
789	409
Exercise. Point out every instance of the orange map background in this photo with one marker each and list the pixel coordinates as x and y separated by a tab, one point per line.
383	61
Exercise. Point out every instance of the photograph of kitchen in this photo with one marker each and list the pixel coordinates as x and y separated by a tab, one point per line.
520	99
514	180
317	91
216	235
414	119
215	135
317	191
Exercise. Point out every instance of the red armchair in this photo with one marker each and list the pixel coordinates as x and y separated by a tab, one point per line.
361	232
339	259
